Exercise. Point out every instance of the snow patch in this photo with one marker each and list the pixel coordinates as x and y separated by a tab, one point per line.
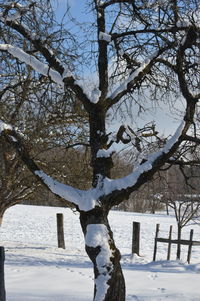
95	94
104	153
130	180
4	126
33	62
85	200
132	76
181	23
105	36
32	257
97	236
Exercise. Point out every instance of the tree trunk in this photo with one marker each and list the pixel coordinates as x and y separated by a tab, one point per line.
1	215
3	208
101	249
1	220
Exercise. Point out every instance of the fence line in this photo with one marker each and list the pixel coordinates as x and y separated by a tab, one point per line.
2	282
60	231
190	243
136	238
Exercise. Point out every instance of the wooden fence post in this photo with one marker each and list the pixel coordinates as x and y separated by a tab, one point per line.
169	244
2	283
190	246
60	231
155	242
136	238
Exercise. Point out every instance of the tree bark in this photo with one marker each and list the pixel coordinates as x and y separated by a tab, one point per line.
2	211
1	220
101	249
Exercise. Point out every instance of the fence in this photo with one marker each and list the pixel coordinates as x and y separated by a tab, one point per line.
136	238
2	283
171	241
60	231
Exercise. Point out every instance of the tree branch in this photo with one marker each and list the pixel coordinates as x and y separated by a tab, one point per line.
102	54
55	70
148	30
135	77
187	42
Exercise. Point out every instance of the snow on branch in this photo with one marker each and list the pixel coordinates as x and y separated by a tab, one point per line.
132	76
4	126
32	61
87	200
55	76
105	37
10	6
84	199
97	236
130	180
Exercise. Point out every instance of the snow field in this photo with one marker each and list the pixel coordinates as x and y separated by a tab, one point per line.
35	269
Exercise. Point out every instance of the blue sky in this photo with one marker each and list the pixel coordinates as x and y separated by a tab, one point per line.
77	8
166	123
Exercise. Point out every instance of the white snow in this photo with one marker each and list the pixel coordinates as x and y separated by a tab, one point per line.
105	153
104	36
133	75
14	17
174	138
183	23
35	269
88	199
97	235
95	94
85	200
32	61
128	181
4	126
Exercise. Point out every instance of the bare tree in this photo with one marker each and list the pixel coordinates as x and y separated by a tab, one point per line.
186	210
33	105
138	45
46	141
182	195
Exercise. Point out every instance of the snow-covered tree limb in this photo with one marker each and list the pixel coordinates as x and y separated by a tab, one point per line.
54	68
32	61
136	76
89	199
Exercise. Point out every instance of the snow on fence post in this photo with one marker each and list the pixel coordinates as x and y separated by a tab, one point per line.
60	231
2	283
136	238
170	243
190	246
155	243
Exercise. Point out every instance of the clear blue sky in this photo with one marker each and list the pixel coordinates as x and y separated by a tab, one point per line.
77	8
163	117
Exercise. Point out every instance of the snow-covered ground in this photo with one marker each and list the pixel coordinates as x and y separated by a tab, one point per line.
35	269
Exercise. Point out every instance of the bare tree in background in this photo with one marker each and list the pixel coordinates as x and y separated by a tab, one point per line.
182	193
33	105
138	47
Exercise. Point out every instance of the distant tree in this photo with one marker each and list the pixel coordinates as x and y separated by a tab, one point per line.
46	141
33	105
140	50
182	195
185	210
